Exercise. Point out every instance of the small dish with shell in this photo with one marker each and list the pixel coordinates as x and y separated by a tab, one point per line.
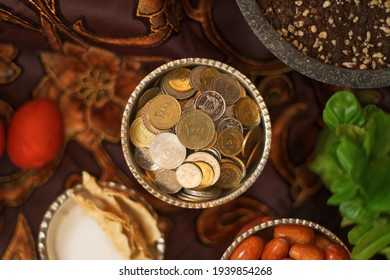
100	220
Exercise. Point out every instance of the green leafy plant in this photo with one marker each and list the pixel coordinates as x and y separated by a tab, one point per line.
353	160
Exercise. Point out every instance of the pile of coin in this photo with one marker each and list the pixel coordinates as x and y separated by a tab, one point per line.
196	132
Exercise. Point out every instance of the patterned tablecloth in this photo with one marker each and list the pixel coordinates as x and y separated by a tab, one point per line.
47	48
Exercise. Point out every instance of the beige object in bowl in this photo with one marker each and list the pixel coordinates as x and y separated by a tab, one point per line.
68	232
129	116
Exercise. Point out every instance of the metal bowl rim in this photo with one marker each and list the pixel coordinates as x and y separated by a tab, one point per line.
185	62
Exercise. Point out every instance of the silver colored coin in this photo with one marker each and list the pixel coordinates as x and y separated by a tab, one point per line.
208	158
189	175
167	182
212	103
143	158
191	198
230	123
215	152
167	151
164	84
195	77
210	193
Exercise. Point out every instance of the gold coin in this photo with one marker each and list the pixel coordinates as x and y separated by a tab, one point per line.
243	91
145	119
140	136
151	175
206	78
139	113
195	77
148	95
207	174
167	89
212	143
164	111
255	156
237	161
179	79
247	112
228	160
195	129
197	94
228	87
229	142
230	177
250	141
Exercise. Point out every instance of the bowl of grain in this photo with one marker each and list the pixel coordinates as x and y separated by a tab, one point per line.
196	133
344	43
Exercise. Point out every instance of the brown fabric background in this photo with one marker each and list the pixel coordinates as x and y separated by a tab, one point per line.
118	19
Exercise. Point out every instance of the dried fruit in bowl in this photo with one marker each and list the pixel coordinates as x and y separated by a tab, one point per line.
289	241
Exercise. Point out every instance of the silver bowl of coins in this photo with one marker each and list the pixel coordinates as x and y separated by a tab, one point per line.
196	133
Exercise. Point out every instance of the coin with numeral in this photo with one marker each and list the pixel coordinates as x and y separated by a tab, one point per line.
143	158
208	158
228	87
166	181
230	141
212	103
189	175
247	112
167	151
231	176
140	136
195	129
163	111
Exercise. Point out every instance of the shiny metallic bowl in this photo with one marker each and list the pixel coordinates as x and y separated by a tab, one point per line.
264	227
129	116
52	220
